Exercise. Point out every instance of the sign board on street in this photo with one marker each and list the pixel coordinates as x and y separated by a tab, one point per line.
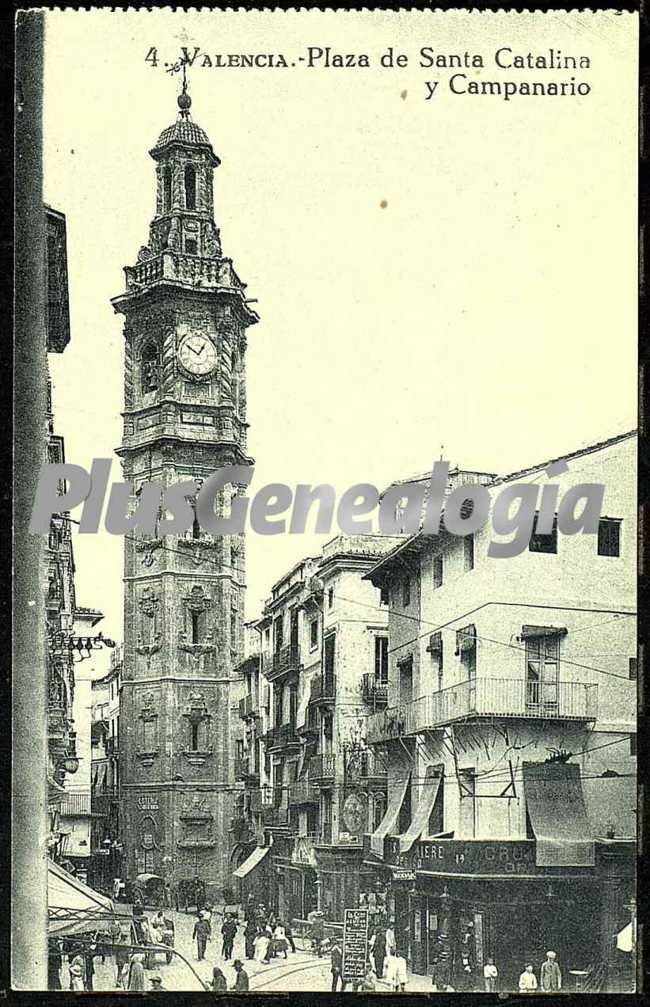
355	944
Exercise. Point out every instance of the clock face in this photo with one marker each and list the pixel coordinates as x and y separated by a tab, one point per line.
198	355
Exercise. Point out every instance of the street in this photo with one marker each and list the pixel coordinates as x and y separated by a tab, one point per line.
302	970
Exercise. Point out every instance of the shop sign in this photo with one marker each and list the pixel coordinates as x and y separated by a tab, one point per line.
455	856
403	874
355	944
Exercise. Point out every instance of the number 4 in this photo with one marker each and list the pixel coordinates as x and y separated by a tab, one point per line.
152	56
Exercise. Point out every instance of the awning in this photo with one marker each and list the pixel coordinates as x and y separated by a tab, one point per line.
558	816
74	907
388	824
435	643
626	939
251	862
420	822
303	702
534	632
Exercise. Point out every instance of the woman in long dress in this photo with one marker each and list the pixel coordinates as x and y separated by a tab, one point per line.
280	942
261	945
136	974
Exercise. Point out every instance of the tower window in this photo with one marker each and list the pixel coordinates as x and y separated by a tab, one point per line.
150	370
191	246
195	627
167	188
196	527
194	737
190	187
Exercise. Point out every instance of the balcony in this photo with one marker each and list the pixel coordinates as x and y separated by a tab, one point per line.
75	805
110	745
322	769
281	736
303	792
323	690
312	724
282	662
374	692
275	818
366	767
247	708
486	697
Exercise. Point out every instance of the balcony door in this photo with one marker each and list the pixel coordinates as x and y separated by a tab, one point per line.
405	681
542	674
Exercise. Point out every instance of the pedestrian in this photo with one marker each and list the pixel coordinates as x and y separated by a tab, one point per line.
77	974
550	975
270	948
242	984
378	950
280	942
391	942
437	977
288	931
396	971
528	980
490	974
250	932
218	984
337	966
54	963
317	932
156	983
136	973
116	889
90	967
121	959
369	984
261	946
202	932
228	932
157	927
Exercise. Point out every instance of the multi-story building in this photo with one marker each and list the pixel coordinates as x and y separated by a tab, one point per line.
106	846
313	787
68	795
186	314
509	736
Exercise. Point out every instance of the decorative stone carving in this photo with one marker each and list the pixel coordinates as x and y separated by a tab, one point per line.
148	636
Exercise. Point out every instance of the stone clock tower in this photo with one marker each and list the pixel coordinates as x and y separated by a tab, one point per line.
185	321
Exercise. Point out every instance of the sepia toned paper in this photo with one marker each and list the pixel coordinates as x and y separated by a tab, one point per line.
339	247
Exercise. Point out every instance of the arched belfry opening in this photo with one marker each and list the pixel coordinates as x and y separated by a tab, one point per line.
167	188
190	187
150	367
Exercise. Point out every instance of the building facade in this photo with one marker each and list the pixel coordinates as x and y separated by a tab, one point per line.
509	738
186	314
106	846
313	788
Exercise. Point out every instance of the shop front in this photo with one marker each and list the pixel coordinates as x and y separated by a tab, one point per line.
296	880
456	903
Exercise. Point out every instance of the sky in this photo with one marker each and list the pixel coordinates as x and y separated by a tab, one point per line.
449	278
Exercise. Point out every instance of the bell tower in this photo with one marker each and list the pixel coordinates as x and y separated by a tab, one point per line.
185	321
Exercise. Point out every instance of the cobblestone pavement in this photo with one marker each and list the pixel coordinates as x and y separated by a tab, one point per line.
301	971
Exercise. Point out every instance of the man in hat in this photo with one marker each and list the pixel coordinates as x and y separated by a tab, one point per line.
156	983
550	974
241	982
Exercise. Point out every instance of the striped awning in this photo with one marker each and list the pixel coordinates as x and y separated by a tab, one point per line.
251	862
420	821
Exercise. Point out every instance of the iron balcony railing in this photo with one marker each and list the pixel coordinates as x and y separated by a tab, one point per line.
322	767
303	792
323	689
277	818
282	734
75	805
486	697
246	707
285	659
364	766
374	691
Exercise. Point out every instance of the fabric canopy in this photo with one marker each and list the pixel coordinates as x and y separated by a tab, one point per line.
626	939
528	632
251	862
73	906
303	703
558	816
388	823
420	821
